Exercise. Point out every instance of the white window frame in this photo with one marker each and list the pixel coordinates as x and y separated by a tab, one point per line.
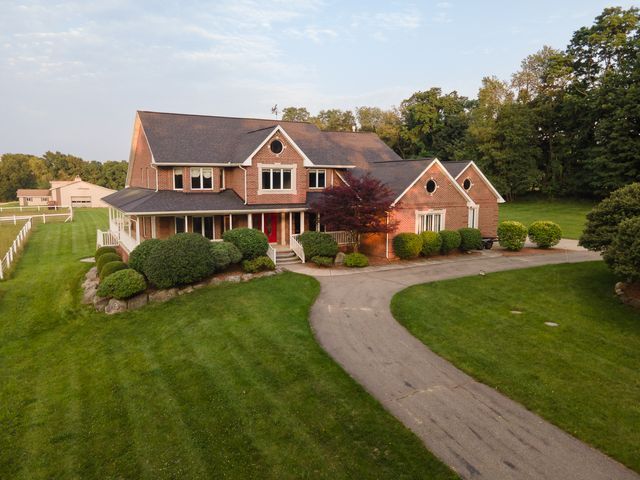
202	228
316	172
474	216
173	177
423	213
272	167
201	176
175	224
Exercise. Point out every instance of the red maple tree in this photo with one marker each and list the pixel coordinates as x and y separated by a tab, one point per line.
363	206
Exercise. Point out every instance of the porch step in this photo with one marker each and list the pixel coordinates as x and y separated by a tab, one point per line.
285	257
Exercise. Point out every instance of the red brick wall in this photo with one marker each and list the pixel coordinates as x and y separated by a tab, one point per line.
142	174
484	197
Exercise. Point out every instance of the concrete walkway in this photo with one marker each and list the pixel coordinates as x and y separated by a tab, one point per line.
480	433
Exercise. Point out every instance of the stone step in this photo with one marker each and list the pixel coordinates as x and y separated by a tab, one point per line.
289	261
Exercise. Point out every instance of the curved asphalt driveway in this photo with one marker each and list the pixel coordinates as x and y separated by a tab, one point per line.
471	427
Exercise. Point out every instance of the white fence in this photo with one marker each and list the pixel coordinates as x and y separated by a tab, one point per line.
341	238
36	208
271	253
10	256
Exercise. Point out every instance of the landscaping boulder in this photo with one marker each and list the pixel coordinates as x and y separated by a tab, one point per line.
92	274
199	285
100	303
115	306
89	294
187	289
234	278
339	258
138	301
215	281
163	295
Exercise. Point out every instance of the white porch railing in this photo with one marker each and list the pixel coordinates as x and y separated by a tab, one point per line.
271	253
341	238
297	247
9	257
106	239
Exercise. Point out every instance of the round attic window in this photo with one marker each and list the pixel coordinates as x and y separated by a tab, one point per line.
467	184
276	146
431	186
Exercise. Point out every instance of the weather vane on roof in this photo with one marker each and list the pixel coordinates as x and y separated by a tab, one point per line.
274	110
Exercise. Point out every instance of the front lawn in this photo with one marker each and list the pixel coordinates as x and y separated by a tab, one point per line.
569	214
227	382
8	233
581	375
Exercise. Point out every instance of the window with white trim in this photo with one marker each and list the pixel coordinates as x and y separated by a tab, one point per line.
431	222
278	179
177	179
317	178
180	225
474	216
203	226
201	178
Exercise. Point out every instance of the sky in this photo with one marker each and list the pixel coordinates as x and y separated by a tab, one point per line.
73	73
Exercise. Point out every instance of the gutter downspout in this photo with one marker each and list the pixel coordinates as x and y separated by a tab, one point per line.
245	182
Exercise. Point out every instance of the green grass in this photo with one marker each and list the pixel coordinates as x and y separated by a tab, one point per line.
569	214
582	375
226	382
8	233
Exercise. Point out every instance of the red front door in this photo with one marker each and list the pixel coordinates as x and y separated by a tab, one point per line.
270	226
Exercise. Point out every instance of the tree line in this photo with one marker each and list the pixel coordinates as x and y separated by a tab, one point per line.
567	123
18	170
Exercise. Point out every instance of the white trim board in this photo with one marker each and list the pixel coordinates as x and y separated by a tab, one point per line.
485	179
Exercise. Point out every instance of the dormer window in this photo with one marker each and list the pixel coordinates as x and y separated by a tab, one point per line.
201	178
177	179
276	147
317	178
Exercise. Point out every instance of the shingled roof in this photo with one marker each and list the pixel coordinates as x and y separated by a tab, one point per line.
455	168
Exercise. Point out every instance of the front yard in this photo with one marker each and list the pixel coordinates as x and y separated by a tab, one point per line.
226	382
581	375
8	232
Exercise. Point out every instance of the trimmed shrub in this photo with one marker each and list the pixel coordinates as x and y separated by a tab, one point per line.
322	261
356	260
106	258
251	243
431	243
181	259
623	254
122	284
141	253
224	254
102	250
258	264
512	235
545	234
470	239
317	244
451	240
112	267
407	245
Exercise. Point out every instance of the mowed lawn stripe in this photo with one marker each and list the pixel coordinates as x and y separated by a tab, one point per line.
225	382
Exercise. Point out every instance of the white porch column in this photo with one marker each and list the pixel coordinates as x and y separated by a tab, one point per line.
290	224
283	228
317	222
302	214
262	223
250	220
153	227
231	221
138	230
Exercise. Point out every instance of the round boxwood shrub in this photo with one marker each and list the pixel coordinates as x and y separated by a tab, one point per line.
470	239
102	250
623	253
322	261
258	264
141	253
251	243
181	259
112	267
451	240
431	243
106	258
407	245
356	260
122	284
318	244
512	235
545	234
224	254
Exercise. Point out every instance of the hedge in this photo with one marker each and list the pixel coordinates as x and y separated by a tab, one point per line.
106	258
407	245
545	234
323	261
122	284
251	243
258	264
470	239
224	254
102	250
318	244
451	240
431	243
512	235
356	260
181	259
623	254
112	267
141	253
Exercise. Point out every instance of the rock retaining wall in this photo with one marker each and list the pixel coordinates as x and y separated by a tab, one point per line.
622	291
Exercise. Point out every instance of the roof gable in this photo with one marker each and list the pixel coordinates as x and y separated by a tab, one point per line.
484	179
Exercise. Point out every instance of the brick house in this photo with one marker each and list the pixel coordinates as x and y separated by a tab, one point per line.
207	174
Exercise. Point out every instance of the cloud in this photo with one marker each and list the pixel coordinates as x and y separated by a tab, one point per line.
316	34
403	20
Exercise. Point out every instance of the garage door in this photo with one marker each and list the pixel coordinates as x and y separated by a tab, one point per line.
80	201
